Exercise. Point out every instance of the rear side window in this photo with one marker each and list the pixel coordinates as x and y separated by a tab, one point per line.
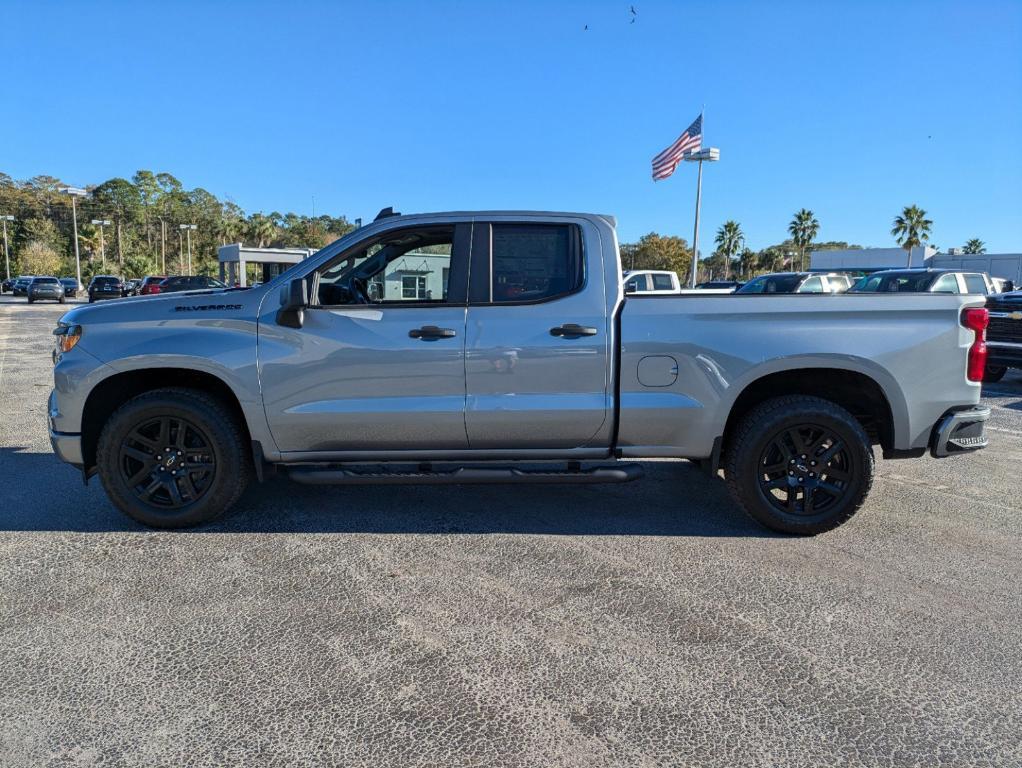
662	283
975	284
946	284
533	262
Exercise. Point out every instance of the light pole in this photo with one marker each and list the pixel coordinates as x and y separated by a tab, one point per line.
710	155
7	253
188	231
74	192
102	244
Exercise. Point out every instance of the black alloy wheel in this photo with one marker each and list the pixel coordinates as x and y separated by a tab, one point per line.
804	470
167	462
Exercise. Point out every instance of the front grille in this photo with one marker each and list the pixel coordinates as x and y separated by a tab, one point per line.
1004	329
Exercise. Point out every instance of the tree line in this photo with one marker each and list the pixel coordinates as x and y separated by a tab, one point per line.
143	234
144	215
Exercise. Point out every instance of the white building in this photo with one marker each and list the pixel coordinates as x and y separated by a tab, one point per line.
1004	265
234	257
871	258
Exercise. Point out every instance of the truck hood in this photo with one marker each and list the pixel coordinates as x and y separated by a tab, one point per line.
157	307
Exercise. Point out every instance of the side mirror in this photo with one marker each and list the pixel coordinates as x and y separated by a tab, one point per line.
629	288
294	298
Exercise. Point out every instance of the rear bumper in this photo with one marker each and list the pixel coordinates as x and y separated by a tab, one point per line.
960	432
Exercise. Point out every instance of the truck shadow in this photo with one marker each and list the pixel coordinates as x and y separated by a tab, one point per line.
674	499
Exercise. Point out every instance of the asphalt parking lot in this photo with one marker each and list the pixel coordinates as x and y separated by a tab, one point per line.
649	624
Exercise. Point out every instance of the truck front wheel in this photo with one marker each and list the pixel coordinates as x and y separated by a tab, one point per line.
799	464
173	458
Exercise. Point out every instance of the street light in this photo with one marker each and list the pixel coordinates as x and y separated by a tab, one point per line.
710	155
102	245
7	254
188	231
74	192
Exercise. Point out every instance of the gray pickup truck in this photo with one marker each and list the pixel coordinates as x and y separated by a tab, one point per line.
500	347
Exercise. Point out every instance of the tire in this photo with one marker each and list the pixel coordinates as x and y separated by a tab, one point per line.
826	434
209	463
91	299
31	300
62	300
994	373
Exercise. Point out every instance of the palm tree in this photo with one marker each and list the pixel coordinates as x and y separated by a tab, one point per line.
911	229
261	229
729	242
975	245
803	229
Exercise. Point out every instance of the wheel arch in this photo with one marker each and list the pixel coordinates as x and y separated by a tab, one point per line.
859	393
115	390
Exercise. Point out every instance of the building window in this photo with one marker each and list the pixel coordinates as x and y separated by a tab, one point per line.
413	287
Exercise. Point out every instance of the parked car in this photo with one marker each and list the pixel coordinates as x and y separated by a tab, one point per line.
20	287
796	282
105	287
924	281
651	281
1002	284
318	373
45	287
1004	335
131	287
7	285
150	284
189	283
719	285
71	286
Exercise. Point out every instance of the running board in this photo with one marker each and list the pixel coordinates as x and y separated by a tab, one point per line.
621	473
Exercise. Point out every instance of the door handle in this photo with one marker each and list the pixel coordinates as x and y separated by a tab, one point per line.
432	332
572	331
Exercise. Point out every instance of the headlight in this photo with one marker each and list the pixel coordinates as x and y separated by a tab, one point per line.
67	336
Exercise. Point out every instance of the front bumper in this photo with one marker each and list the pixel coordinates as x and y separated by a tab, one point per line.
960	432
67	447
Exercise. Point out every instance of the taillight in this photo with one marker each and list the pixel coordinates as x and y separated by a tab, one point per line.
977	320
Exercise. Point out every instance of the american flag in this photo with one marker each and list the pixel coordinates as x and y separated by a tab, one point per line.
691	140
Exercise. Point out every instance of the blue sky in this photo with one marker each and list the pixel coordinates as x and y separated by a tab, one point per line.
853	109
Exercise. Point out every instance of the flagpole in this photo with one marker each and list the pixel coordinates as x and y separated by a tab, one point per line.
695	235
699	193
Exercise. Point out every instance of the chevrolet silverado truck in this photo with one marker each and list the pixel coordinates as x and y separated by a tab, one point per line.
499	347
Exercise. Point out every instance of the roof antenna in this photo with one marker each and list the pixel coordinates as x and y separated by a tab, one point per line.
386	212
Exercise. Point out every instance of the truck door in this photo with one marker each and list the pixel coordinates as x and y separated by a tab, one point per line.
537	337
379	363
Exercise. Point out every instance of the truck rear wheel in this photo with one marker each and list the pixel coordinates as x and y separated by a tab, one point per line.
799	464
173	458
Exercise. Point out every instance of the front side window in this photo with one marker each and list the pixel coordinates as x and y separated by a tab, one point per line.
534	262
812	285
637	283
400	267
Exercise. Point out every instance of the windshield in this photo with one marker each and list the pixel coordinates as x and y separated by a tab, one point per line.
894	282
772	284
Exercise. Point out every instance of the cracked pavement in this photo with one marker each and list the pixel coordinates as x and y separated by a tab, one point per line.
649	624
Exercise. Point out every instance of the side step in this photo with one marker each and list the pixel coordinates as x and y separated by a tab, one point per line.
619	473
